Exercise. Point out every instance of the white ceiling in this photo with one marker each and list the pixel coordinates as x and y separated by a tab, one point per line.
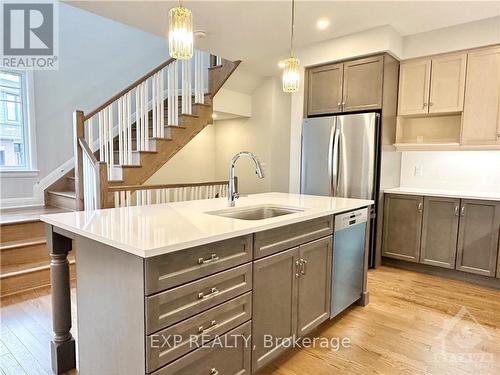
258	32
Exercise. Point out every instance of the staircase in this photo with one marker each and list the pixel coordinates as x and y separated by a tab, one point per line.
127	139
24	258
118	146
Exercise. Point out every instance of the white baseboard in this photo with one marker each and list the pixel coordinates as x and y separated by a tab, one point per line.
20	202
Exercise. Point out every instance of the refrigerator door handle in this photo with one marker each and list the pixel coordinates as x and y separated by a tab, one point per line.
330	158
335	161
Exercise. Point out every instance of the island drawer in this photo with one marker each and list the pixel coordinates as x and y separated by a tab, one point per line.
167	308
230	354
169	344
170	270
274	240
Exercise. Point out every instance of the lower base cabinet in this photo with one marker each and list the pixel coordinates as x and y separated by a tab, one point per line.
439	232
478	237
454	233
230	354
291	297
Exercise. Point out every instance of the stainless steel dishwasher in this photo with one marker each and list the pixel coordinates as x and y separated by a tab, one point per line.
348	259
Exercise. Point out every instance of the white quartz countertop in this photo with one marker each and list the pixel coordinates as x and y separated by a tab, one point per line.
152	230
445	193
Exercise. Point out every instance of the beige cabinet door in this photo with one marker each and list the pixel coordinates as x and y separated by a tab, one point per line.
439	232
313	306
481	117
478	237
402	227
448	83
274	304
324	89
414	84
363	84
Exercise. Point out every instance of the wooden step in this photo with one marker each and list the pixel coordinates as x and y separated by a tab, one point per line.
23	252
18	279
62	199
22	231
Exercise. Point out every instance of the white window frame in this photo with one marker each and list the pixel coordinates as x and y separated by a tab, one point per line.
30	169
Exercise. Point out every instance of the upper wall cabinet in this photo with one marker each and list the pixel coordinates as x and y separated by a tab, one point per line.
362	88
324	89
344	87
414	79
481	117
432	85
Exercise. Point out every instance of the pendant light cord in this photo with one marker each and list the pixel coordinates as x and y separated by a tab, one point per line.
293	26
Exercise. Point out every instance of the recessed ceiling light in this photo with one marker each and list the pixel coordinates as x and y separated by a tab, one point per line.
281	64
322	23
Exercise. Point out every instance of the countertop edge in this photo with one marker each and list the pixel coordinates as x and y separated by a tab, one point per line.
201	241
444	194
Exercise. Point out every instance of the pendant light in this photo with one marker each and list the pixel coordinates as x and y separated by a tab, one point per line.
180	33
291	73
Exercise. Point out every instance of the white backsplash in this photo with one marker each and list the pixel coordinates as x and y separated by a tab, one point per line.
452	170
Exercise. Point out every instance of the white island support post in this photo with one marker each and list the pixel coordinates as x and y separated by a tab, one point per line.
62	346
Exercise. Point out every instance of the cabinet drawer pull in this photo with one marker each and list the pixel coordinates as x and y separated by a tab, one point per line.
303	264
339	104
462	211
212	293
420	206
212	258
201	329
214	371
456	210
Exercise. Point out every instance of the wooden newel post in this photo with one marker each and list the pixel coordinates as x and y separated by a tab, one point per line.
79	132
62	346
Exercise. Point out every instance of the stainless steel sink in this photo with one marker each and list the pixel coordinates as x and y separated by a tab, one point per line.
256	212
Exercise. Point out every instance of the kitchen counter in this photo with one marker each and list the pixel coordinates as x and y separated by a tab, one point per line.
445	193
147	231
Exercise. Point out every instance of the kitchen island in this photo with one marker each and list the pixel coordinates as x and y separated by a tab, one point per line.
158	285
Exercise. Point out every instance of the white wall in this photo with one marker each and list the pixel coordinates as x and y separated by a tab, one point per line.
195	162
469	35
452	170
98	57
266	133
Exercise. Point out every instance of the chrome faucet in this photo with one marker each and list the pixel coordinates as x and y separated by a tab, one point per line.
232	194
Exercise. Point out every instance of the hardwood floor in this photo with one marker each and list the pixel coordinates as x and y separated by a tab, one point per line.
399	332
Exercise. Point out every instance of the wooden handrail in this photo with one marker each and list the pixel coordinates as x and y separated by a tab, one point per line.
127	89
85	148
113	189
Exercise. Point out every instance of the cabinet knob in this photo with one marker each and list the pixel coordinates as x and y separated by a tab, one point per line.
420	206
498	137
339	104
214	371
425	104
462	211
456	210
431	104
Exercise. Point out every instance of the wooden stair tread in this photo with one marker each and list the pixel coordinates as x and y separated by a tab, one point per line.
22	243
12	216
22	269
64	193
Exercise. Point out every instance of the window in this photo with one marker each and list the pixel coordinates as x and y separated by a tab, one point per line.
14	125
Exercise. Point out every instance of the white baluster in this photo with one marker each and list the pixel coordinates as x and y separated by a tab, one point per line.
129	198
129	128
176	93
110	129
120	132
146	116
158	196
117	199
101	137
162	103
137	118
154	102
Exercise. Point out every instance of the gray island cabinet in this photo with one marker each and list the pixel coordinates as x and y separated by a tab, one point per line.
200	309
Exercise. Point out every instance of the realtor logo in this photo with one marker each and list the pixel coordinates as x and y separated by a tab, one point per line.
29	34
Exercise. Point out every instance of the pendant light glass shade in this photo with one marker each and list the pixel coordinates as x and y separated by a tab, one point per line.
291	75
180	33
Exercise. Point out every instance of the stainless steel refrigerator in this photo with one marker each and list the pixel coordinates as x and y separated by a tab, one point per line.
340	158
